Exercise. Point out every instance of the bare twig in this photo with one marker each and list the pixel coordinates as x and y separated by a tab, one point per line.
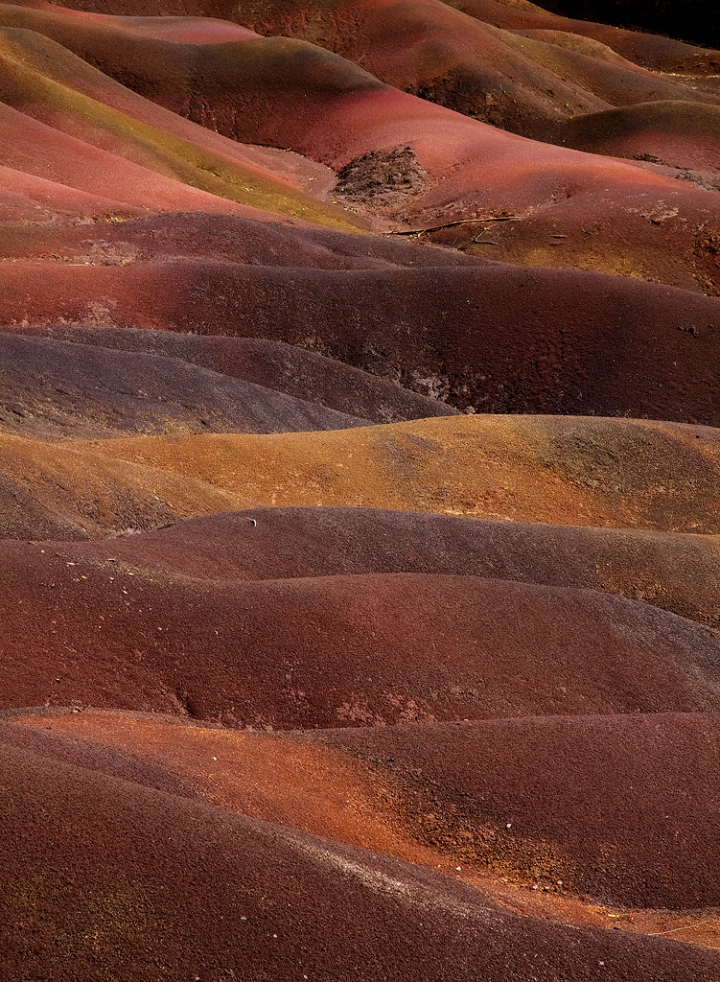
685	927
464	221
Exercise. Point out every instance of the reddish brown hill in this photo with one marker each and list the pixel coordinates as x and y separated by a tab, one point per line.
656	52
296	95
492	337
360	650
443	794
442	403
431	49
120	881
621	808
679	573
681	134
599	803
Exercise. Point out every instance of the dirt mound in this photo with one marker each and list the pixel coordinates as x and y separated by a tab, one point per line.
379	177
294	94
558	470
334	651
489	338
460	62
226	239
441	794
285	368
679	573
50	389
599	804
653	51
99	896
678	134
81	129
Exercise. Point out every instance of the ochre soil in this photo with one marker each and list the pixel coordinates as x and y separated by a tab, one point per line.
359	494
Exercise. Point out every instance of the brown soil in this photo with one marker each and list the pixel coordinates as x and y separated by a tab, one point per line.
359	650
94	854
679	573
306	675
557	470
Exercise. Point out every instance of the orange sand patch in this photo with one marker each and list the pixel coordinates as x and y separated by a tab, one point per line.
562	470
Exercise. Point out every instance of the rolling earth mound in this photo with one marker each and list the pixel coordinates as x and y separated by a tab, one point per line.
371	650
675	572
489	338
599	793
556	470
319	900
359	506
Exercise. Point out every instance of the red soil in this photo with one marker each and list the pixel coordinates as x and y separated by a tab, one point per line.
448	57
96	854
494	338
369	650
334	112
679	573
440	794
662	54
620	808
194	324
683	135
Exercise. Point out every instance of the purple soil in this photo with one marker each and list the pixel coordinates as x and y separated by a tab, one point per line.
51	389
338	651
682	135
285	368
622	809
679	573
121	882
494	338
